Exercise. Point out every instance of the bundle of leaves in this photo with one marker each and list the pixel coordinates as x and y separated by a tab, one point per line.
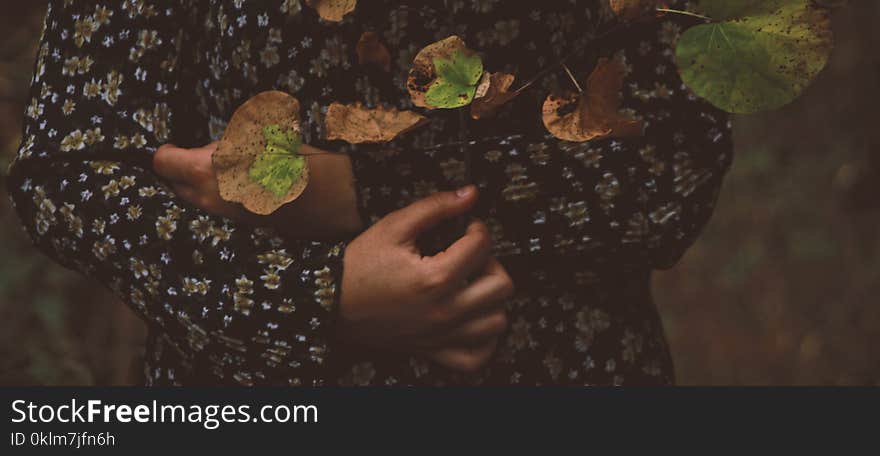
746	56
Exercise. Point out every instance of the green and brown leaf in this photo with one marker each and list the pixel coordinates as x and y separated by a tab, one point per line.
444	75
332	10
257	162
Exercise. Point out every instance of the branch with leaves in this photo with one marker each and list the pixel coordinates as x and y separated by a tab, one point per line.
745	56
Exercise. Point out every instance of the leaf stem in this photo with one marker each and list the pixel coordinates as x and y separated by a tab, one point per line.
578	48
684	13
468	156
573	79
465	151
297	154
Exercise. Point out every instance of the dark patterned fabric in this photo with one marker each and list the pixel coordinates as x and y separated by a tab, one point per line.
578	225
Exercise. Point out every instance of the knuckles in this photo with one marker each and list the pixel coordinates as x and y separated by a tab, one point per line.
499	323
475	360
201	174
161	158
169	161
440	315
482	238
434	278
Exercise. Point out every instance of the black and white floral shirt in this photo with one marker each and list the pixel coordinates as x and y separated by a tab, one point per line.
579	225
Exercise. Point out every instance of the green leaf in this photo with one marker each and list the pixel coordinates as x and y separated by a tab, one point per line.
280	166
287	139
457	79
758	55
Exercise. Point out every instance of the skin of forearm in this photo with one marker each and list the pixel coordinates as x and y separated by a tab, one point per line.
327	209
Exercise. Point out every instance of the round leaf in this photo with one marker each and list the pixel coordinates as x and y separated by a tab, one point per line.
332	10
758	56
256	163
594	113
444	75
457	79
280	166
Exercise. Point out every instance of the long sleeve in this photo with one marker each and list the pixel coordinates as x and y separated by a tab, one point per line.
253	306
233	304
633	203
643	200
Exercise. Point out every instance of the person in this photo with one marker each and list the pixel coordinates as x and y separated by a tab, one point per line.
466	252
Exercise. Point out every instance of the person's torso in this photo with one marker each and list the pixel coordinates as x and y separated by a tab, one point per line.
240	48
536	191
548	203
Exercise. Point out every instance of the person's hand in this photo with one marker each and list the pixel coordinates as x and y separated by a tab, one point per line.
327	209
449	307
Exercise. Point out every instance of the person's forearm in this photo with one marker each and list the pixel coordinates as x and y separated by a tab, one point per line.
326	210
328	207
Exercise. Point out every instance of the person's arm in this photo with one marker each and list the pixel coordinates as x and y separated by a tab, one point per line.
105	75
104	80
258	306
650	196
246	300
636	202
327	208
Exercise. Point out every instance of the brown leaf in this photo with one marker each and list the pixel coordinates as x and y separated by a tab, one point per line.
491	94
358	124
630	10
332	10
593	114
243	141
371	50
423	74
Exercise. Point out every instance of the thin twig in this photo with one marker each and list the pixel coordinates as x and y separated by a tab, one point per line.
573	79
617	27
298	154
684	13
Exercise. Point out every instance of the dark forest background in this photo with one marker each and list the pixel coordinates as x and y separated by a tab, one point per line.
782	288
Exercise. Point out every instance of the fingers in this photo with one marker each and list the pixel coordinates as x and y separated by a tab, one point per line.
210	201
486	294
465	359
477	313
189	166
187	193
191	174
406	224
479	329
465	256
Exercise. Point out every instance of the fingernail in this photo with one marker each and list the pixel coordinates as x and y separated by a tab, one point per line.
464	191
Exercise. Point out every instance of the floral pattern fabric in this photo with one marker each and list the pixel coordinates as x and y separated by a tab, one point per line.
579	226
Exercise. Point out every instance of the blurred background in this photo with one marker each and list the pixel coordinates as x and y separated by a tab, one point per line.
783	288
